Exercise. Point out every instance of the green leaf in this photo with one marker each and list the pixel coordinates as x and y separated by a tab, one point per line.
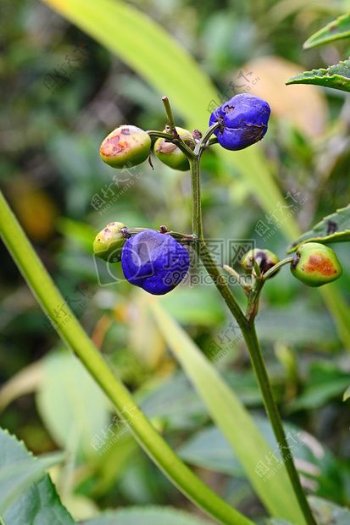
336	76
71	403
27	494
325	382
327	513
273	324
232	418
17	477
199	306
146	516
335	30
209	449
333	228
346	394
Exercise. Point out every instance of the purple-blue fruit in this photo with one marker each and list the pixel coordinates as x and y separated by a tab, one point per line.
154	261
243	120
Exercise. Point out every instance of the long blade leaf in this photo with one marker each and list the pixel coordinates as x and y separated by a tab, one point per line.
232	418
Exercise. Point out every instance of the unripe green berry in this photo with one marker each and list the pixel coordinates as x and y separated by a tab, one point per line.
315	264
109	242
125	146
170	154
265	259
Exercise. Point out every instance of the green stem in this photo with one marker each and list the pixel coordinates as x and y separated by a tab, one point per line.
72	333
277	266
170	116
247	327
197	222
178	141
202	144
271	408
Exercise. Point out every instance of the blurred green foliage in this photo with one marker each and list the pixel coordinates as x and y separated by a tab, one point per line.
62	93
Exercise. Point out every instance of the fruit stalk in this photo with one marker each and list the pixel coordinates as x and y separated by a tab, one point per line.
247	326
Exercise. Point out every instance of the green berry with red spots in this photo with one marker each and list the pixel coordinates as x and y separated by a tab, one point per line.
315	264
126	146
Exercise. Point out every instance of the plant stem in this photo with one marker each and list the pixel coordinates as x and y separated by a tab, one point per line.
170	116
197	223
204	140
170	138
277	266
271	408
247	327
71	332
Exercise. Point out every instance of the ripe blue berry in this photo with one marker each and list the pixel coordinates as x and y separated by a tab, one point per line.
243	121
154	261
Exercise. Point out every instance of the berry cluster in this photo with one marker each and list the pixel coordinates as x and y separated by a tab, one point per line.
155	260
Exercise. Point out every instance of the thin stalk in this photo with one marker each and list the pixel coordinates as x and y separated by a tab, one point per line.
277	266
170	138
203	142
247	327
71	332
170	116
197	222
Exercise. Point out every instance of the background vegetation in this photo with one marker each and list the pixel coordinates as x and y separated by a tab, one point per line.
62	92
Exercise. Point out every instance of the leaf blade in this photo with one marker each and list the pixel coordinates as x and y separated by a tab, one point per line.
38	502
336	77
331	229
240	430
335	30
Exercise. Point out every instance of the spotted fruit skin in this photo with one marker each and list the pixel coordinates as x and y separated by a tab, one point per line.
264	258
315	264
154	261
170	154
125	146
109	242
243	118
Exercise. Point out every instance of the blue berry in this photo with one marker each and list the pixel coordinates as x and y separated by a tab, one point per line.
154	261
243	121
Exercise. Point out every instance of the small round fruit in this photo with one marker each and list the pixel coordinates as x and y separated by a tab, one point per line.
264	258
315	264
109	242
243	120
154	261
170	154
126	146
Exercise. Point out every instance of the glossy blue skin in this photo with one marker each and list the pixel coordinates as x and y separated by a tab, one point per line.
244	121
154	261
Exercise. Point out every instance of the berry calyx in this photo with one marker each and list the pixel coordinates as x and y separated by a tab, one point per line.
109	242
125	146
170	154
265	259
243	121
154	261
315	264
